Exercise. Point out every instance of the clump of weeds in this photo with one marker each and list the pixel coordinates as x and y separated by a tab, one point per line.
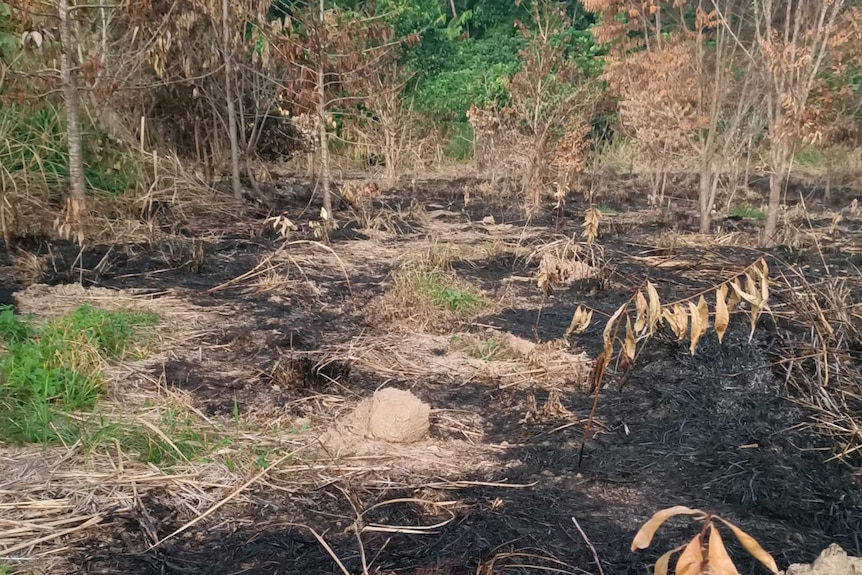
51	373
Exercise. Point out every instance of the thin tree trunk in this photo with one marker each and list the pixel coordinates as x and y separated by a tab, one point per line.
323	141
236	186
705	196
76	204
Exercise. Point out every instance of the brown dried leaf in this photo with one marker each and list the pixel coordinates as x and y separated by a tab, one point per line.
720	562
742	293
609	328
678	321
580	321
641	306
629	344
654	306
698	326
722	316
751	286
764	288
644	536
734	296
752	546
691	560
661	566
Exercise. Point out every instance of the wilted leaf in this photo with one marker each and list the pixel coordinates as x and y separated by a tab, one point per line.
580	321
678	320
752	299
661	566
654	306
752	288
644	536
734	295
641	306
629	344
720	562
722	315
753	547
698	328
606	335
764	288
691	560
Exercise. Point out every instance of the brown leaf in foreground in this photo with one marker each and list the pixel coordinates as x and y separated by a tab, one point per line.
644	536
752	546
691	560
663	563
697	326
720	562
722	314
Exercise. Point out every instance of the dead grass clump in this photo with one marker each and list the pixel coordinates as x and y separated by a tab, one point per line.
566	261
427	299
441	255
160	197
819	355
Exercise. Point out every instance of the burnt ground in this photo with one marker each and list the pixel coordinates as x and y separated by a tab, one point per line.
717	430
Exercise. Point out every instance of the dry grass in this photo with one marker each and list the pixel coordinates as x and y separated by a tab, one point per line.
429	300
820	359
166	196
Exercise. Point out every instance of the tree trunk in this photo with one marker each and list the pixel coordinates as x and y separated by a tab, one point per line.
705	197
76	203
323	140
236	186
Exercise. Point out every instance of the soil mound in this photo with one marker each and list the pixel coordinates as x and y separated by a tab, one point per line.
390	415
833	561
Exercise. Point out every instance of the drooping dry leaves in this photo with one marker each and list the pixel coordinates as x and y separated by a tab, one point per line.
752	546
722	315
663	563
689	317
691	561
580	321
705	553
645	534
591	224
720	562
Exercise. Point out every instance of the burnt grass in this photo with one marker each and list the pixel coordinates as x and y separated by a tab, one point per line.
716	430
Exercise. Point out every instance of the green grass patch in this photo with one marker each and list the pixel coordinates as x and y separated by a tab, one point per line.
34	151
746	213
53	370
444	294
809	157
177	440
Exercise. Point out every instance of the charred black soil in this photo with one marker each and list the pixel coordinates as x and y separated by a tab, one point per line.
717	430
